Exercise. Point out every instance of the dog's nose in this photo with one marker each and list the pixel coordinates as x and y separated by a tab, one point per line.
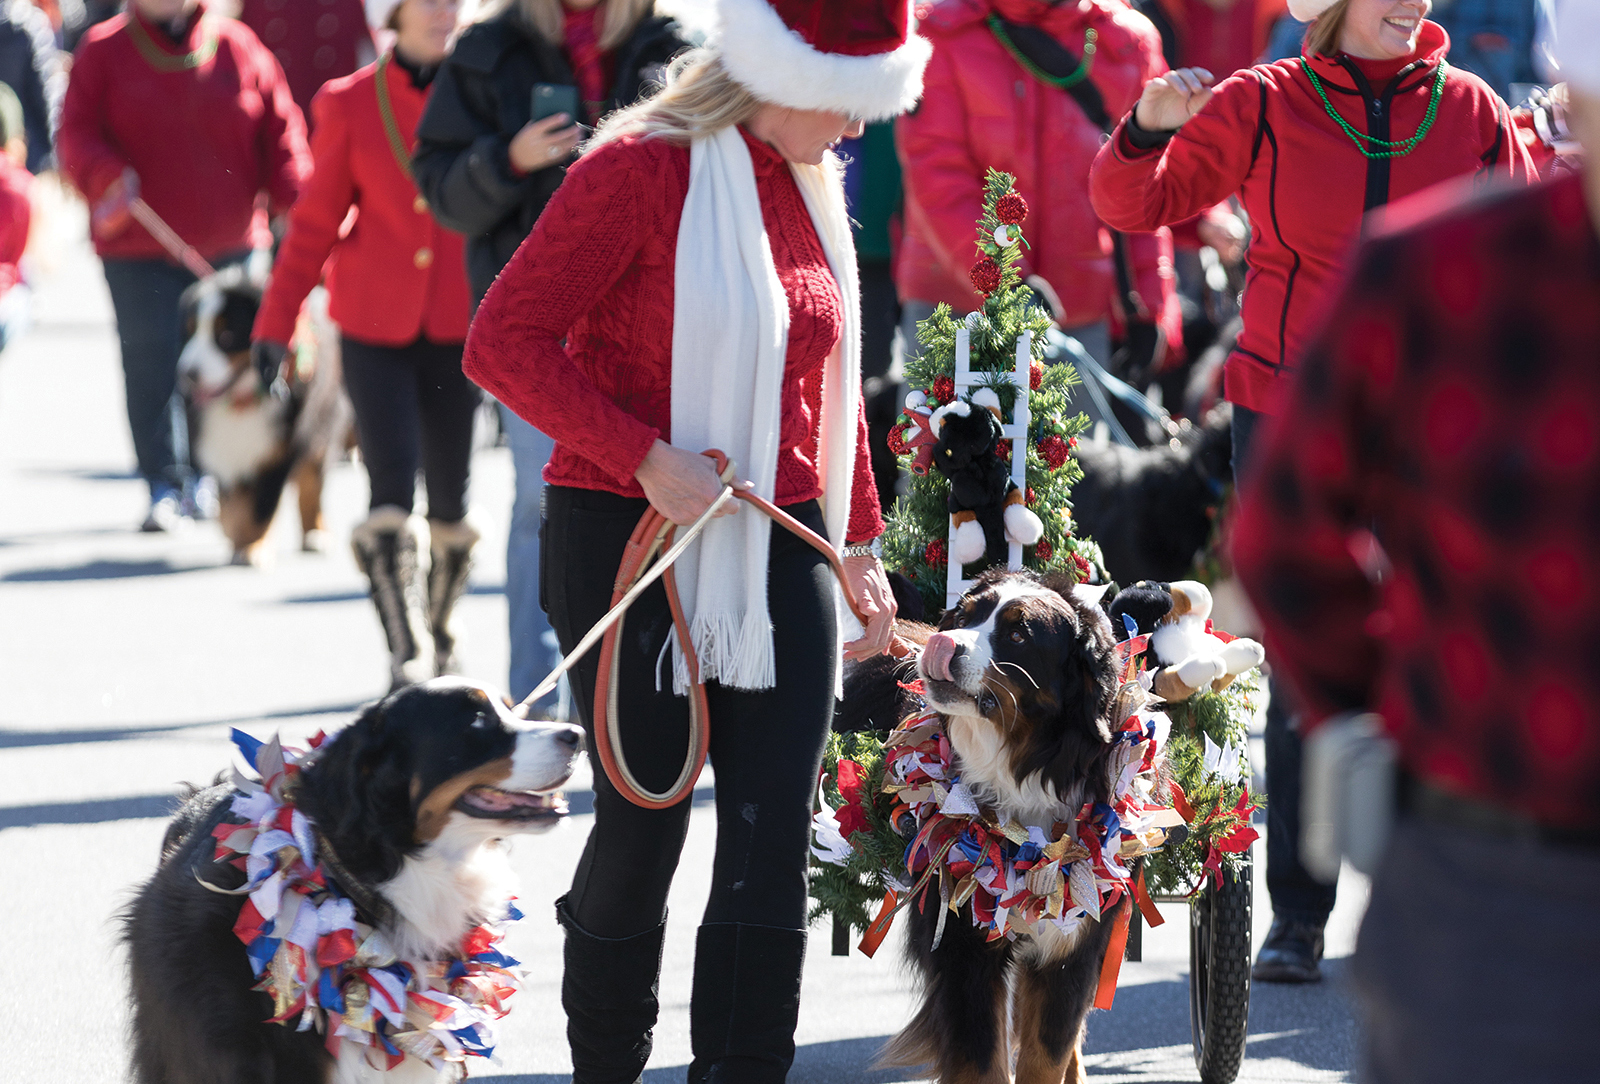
571	737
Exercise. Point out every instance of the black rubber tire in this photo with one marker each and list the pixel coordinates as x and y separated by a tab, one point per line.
1219	976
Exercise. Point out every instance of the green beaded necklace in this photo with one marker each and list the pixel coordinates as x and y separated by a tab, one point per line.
1065	82
1399	148
163	61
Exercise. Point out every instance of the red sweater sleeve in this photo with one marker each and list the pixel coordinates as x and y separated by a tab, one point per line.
866	517
86	156
1204	162
313	224
583	242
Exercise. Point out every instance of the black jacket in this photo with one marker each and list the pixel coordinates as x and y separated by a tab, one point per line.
482	97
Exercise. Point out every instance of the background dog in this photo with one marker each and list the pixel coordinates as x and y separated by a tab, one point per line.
1022	671
414	797
251	442
1153	510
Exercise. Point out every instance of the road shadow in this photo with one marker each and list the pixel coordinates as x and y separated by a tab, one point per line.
93	811
843	1061
325	597
86	474
23	739
100	570
580	802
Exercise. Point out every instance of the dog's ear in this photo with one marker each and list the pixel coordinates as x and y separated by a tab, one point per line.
358	792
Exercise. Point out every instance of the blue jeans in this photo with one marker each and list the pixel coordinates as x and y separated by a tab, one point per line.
533	645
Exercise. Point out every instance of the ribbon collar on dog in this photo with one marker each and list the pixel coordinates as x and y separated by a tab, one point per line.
320	958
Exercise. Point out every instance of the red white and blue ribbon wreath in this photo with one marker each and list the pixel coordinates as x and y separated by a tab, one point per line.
1015	876
319	962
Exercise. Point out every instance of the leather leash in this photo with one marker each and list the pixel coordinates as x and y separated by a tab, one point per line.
643	562
168	238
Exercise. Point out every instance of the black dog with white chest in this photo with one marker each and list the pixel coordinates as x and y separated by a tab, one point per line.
1022	671
411	803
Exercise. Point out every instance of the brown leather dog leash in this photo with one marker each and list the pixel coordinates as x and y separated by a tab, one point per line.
643	562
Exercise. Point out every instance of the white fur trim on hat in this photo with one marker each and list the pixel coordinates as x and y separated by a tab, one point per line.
380	11
1304	10
1572	45
776	65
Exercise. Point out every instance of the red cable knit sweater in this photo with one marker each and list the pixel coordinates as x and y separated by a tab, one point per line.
597	272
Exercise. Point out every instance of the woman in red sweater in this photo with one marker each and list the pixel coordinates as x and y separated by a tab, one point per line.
692	285
398	290
190	111
1370	113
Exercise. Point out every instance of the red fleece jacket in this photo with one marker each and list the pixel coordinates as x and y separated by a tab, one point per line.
981	109
397	273
205	141
1266	135
597	272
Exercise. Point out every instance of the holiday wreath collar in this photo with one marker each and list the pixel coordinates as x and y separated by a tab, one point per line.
1015	876
321	958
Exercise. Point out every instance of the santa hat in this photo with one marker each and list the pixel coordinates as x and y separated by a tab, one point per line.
379	12
1571	46
1304	10
856	57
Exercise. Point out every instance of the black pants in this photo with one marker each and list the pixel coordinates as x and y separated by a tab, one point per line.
413	407
1295	893
766	747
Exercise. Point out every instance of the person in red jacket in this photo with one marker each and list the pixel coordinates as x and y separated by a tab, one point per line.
1421	544
1370	113
988	105
397	288
314	40
188	111
693	281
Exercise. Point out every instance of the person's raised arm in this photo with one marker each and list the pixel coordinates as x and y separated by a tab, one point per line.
1183	147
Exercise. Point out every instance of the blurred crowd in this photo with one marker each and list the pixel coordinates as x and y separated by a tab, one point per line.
1189	225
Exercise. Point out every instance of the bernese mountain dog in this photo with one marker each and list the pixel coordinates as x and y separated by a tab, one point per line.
251	442
415	798
1023	672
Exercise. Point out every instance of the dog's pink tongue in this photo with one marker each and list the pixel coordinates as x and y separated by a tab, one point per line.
936	656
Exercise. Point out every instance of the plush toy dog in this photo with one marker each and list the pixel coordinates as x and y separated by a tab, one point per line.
1190	658
988	508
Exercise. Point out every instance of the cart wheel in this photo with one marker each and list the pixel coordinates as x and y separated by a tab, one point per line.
1219	976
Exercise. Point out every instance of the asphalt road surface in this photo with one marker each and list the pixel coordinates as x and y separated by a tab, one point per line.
126	658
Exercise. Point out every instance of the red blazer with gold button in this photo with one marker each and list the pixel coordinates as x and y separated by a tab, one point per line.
394	274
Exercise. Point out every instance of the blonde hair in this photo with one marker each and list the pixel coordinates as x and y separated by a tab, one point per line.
1326	30
617	22
699	98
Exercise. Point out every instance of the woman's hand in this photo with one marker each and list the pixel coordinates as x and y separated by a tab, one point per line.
1168	102
869	587
681	484
543	143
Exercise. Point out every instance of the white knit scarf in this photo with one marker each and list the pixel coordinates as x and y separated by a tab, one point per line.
730	341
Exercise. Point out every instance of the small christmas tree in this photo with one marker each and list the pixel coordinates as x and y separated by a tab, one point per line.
916	541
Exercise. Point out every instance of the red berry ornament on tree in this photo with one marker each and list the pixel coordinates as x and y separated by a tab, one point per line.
1035	376
986	276
897	439
936	553
1011	209
1003	450
1029	498
1054	451
944	389
1081	566
1042	550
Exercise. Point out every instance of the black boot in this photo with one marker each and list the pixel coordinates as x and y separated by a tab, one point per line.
608	989
386	551
746	1002
450	549
1291	952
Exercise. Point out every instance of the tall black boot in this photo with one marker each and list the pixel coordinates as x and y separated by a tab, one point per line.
450	549
746	1003
385	547
608	989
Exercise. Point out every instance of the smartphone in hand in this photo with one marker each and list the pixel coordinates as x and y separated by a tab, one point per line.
552	98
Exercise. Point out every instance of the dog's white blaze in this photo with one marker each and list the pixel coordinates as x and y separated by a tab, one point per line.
234	442
202	362
540	762
352	1067
460	878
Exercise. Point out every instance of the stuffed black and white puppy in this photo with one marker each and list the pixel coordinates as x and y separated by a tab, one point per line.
988	507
